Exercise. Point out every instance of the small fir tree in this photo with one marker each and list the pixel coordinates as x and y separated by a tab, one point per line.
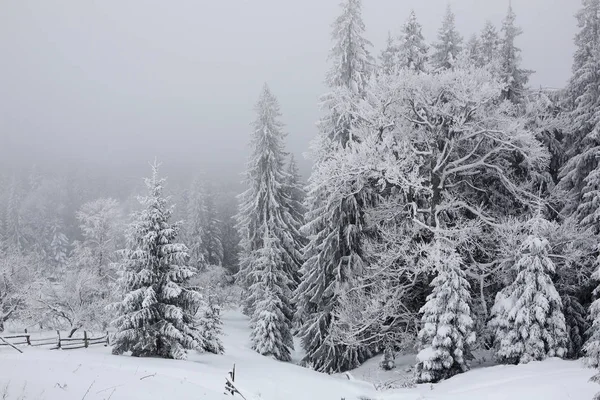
449	43
271	321
528	322
210	326
447	333
156	313
513	76
412	48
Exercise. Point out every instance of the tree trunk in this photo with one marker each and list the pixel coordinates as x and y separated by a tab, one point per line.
72	332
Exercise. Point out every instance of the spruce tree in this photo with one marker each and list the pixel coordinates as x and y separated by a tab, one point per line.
577	325
513	76
412	48
210	326
352	64
528	321
212	237
449	43
295	192
473	49
447	327
489	44
60	248
271	320
388	59
156	313
335	217
579	176
194	229
266	204
592	345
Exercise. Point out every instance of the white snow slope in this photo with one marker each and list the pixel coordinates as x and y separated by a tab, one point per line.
96	374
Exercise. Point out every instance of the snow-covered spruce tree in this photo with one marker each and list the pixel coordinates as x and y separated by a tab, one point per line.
352	64
489	44
295	192
447	327
271	323
528	321
388	59
194	228
577	325
579	176
266	204
473	49
412	48
448	45
335	218
210	326
513	76
156	313
591	348
212	241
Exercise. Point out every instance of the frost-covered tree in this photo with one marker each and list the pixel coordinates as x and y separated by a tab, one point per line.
335	202
17	284
577	325
266	204
579	175
99	221
212	240
528	320
351	62
296	193
230	238
271	320
489	44
421	142
592	345
60	248
448	44
210	326
388	59
194	229
412	48
76	301
14	237
473	49
447	327
156	314
513	76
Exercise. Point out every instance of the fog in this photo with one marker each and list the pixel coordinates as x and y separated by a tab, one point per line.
112	84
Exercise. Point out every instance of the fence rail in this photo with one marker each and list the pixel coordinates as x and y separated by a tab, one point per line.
57	342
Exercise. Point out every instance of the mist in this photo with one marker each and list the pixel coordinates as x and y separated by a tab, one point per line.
110	85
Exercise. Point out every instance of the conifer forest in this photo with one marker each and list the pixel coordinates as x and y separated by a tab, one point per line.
441	229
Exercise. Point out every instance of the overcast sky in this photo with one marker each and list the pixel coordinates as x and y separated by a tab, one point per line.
122	81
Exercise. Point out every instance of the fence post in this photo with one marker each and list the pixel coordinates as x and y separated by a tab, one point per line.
85	339
27	336
229	389
58	333
107	340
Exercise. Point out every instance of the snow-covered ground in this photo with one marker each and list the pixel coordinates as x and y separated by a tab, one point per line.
96	374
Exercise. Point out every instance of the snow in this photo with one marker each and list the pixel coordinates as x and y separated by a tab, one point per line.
47	375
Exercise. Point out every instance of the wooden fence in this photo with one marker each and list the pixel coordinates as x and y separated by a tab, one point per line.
56	342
